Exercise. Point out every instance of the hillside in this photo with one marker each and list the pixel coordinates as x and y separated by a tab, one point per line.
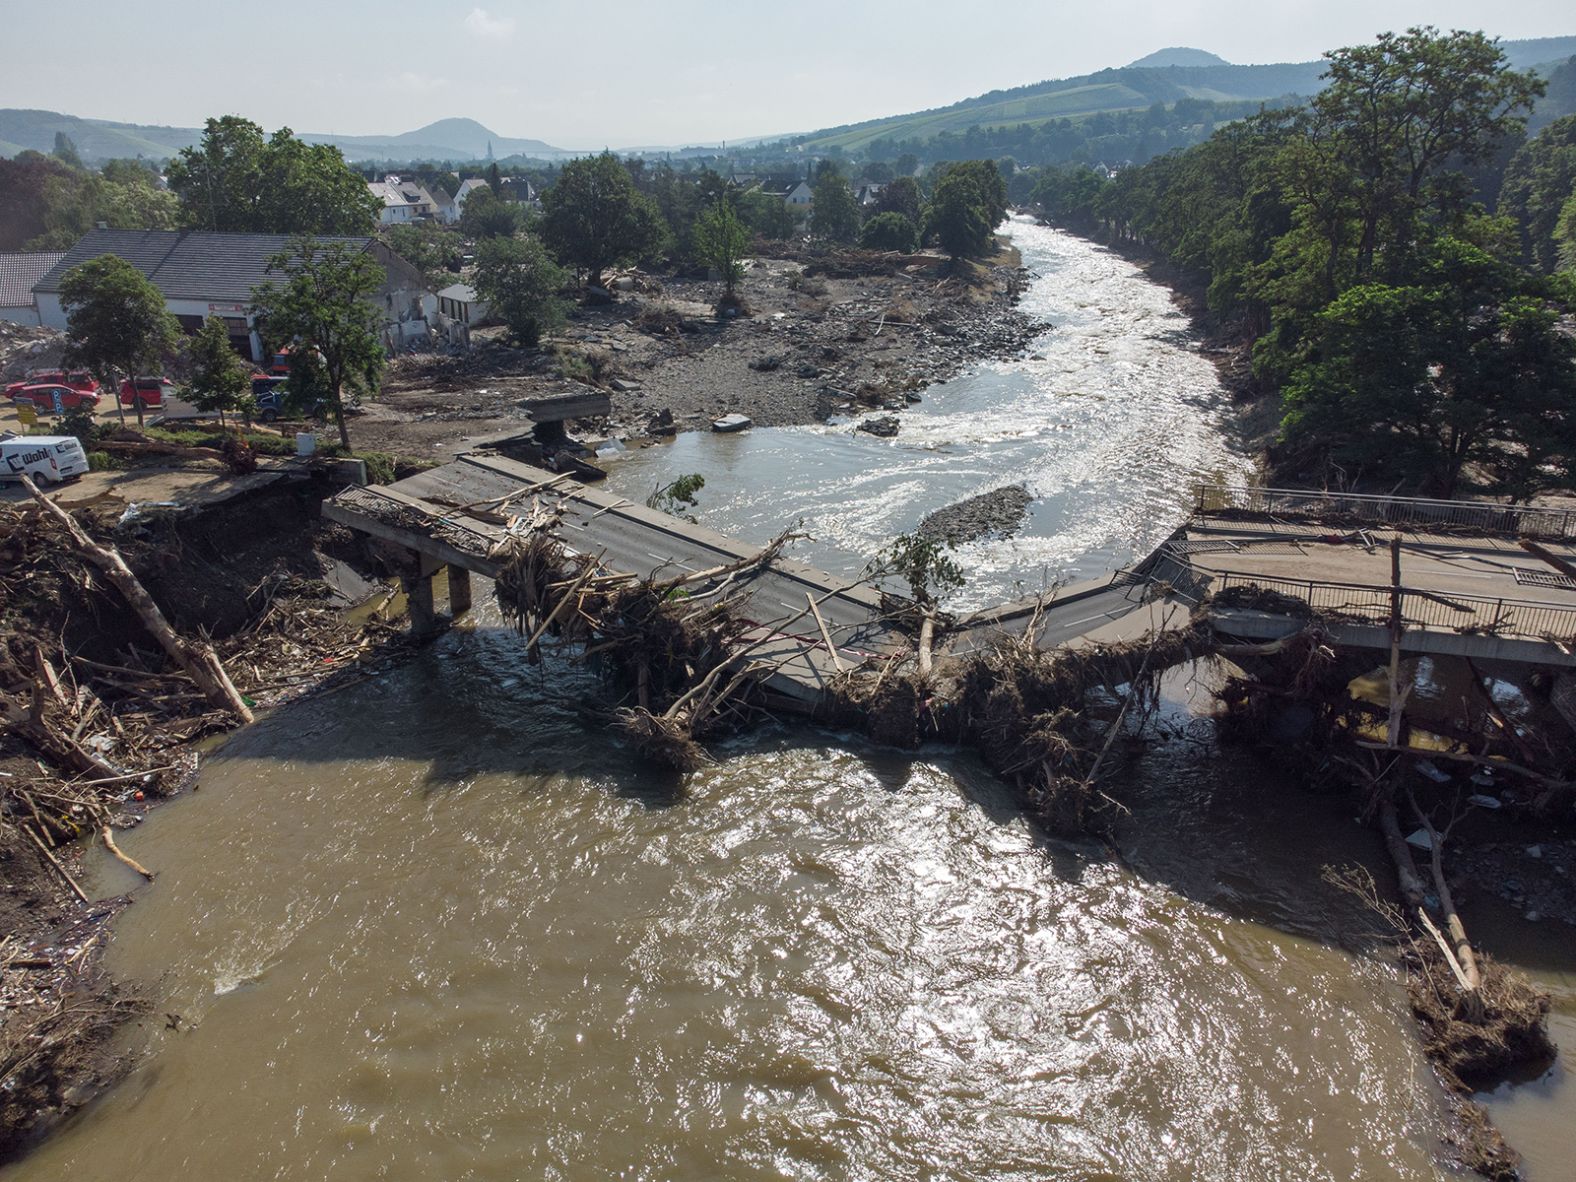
1129	88
1177	56
102	139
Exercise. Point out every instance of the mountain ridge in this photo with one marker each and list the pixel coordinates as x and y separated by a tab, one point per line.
454	138
1177	55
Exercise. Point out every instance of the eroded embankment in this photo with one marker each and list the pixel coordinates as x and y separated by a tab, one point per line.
99	725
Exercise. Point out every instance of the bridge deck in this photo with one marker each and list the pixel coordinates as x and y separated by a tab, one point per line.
427	513
1485	593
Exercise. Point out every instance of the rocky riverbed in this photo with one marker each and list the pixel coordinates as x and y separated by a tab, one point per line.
825	334
994	514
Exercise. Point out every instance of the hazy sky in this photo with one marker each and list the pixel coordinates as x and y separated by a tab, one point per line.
623	73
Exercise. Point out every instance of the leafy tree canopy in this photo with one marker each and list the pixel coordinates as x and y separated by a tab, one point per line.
1539	181
325	306
594	217
116	322
519	282
486	215
236	180
889	231
834	214
219	379
722	240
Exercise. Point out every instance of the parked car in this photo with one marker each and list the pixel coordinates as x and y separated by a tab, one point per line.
54	399
77	379
150	391
272	399
48	459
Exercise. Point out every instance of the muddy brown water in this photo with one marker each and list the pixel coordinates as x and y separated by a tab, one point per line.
440	925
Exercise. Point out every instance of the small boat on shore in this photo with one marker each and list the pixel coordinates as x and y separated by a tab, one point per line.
731	423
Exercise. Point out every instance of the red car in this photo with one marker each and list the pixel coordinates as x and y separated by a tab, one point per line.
150	391
77	379
54	399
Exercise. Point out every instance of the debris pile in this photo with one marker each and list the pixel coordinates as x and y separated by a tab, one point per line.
677	648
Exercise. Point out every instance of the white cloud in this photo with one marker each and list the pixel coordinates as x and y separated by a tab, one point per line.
481	23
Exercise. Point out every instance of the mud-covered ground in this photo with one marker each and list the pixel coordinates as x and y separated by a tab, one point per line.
823	334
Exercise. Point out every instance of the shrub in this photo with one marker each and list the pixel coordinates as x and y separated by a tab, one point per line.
889	231
380	466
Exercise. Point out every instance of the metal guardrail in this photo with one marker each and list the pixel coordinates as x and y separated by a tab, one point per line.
1527	619
1514	521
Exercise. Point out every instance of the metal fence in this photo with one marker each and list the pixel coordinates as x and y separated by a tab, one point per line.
1476	516
1521	618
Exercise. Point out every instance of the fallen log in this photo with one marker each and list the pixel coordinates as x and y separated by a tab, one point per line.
124	859
199	661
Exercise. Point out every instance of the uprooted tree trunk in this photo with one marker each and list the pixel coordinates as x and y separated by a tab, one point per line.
198	660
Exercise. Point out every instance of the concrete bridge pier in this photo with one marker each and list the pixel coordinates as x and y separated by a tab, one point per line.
417	575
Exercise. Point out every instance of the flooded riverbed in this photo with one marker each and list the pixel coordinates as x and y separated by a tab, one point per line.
1110	422
439	925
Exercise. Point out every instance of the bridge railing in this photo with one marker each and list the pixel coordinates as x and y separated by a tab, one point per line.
1522	618
1478	516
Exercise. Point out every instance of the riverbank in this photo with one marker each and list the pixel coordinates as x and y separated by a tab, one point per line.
98	733
827	331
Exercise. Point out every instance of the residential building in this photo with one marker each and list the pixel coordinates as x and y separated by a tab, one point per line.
403	201
467	187
459	309
201	273
801	196
18	274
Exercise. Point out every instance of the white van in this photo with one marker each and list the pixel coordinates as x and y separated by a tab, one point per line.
48	459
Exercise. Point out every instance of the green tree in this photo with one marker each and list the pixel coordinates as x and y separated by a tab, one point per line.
520	283
66	151
834	213
326	308
958	217
767	214
923	563
486	215
124	196
1394	122
236	180
1465	367
220	381
901	195
889	231
431	247
722	242
1565	235
116	323
1538	182
594	217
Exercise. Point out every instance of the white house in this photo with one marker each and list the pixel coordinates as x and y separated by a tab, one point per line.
801	196
18	274
460	309
467	187
403	201
201	273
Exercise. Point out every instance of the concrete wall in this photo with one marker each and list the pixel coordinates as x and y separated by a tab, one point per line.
25	314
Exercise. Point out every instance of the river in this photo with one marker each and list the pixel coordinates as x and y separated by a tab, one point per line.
437	925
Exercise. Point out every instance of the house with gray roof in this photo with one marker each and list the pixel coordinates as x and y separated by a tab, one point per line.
203	273
18	274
